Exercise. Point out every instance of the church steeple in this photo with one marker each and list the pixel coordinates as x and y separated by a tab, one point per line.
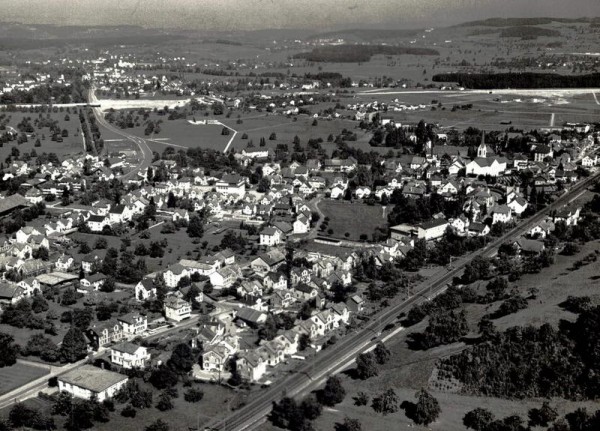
482	150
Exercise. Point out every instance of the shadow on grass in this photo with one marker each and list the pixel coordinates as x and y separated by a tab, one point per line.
352	373
410	409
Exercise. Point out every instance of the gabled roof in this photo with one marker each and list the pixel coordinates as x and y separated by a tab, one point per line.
249	315
127	347
10	291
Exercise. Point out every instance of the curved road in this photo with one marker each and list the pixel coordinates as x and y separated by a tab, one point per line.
311	374
145	151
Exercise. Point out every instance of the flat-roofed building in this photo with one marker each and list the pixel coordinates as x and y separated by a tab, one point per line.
87	381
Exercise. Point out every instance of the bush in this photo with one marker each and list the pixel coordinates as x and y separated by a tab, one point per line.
193	395
128	411
333	393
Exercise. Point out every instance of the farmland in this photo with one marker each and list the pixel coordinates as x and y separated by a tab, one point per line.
521	109
18	375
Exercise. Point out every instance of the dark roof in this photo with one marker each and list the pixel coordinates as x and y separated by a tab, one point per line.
126	347
12	202
96	218
249	314
433	223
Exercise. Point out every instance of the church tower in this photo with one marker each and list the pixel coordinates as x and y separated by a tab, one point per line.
482	150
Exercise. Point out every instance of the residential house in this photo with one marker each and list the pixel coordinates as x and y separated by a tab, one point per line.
129	355
10	293
97	222
268	262
177	309
145	289
282	299
251	366
133	324
225	277
478	229
355	304
175	273
276	281
433	229
501	214
93	282
271	236
64	263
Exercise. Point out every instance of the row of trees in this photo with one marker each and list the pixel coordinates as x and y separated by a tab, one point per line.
481	419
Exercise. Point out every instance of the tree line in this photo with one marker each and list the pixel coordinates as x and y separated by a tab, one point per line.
488	81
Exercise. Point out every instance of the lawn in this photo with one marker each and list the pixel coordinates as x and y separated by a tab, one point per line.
178	134
355	218
18	375
70	146
183	416
257	126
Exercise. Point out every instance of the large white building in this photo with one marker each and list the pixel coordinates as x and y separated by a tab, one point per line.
87	381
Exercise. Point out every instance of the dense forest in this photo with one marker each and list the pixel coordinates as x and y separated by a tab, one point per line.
359	53
528	32
488	81
530	362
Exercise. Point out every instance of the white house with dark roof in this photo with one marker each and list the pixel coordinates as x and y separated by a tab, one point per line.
175	273
177	309
251	366
433	229
133	324
501	214
270	236
145	289
129	355
93	282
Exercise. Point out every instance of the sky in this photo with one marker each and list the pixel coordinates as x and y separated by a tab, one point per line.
268	14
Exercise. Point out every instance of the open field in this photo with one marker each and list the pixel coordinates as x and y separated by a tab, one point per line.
18	375
261	126
353	218
527	111
71	145
183	416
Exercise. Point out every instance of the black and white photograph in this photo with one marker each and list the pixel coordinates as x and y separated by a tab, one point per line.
302	215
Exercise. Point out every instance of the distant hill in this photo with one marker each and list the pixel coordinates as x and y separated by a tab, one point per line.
365	35
514	22
11	43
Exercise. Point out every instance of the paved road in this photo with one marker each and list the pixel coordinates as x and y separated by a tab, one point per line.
145	151
311	374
